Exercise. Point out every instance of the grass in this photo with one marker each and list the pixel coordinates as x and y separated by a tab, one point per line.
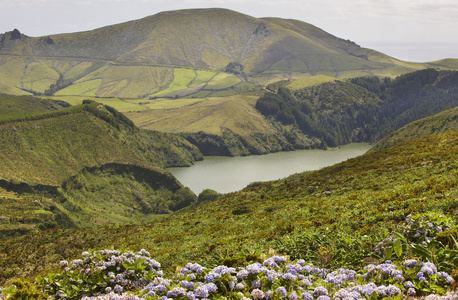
187	50
80	158
441	122
117	103
18	106
211	115
222	81
175	103
84	88
369	195
182	78
202	76
309	81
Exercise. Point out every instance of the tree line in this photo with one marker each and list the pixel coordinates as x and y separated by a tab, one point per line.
362	109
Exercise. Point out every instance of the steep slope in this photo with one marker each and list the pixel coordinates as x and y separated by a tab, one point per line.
93	151
415	176
136	59
358	109
438	123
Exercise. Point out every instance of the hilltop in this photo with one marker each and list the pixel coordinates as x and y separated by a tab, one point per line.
86	165
185	51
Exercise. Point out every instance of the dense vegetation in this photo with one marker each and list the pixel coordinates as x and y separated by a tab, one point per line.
61	168
438	123
325	210
363	108
16	106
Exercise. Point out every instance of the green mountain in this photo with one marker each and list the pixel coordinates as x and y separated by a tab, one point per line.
86	165
184	52
367	196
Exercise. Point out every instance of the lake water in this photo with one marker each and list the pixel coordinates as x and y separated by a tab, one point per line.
230	174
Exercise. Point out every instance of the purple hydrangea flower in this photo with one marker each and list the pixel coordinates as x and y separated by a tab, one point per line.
306	296
242	274
187	284
211	287
118	289
292	296
410	263
320	290
392	290
176	291
256	284
201	291
282	291
257	294
408	284
254	268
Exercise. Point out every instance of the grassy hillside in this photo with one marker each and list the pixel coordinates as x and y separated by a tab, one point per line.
16	106
177	53
415	176
49	161
441	122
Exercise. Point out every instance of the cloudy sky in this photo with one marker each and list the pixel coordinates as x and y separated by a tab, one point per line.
414	30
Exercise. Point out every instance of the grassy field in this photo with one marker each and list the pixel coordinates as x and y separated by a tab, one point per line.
172	103
202	76
182	78
211	115
222	81
117	103
309	81
84	88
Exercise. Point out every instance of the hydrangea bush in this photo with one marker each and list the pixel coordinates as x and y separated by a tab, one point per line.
112	274
109	274
100	273
427	226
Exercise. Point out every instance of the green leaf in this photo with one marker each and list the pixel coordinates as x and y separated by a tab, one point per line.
399	236
397	247
389	253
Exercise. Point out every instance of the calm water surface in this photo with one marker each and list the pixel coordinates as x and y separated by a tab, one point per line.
230	174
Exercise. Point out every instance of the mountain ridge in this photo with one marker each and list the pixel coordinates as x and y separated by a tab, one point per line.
136	59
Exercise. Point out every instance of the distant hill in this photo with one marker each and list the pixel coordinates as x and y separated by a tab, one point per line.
186	51
90	166
438	123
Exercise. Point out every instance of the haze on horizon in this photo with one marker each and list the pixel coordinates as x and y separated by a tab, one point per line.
412	30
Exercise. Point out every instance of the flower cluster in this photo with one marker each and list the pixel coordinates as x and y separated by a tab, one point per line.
428	225
277	278
102	272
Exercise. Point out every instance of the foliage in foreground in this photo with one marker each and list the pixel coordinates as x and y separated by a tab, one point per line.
367	195
400	265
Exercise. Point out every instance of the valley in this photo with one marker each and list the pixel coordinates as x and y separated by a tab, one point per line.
91	122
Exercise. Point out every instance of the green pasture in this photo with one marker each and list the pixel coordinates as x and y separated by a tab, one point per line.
117	103
172	103
84	88
182	78
305	82
222	81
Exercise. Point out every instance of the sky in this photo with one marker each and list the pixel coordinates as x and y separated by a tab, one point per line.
412	30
